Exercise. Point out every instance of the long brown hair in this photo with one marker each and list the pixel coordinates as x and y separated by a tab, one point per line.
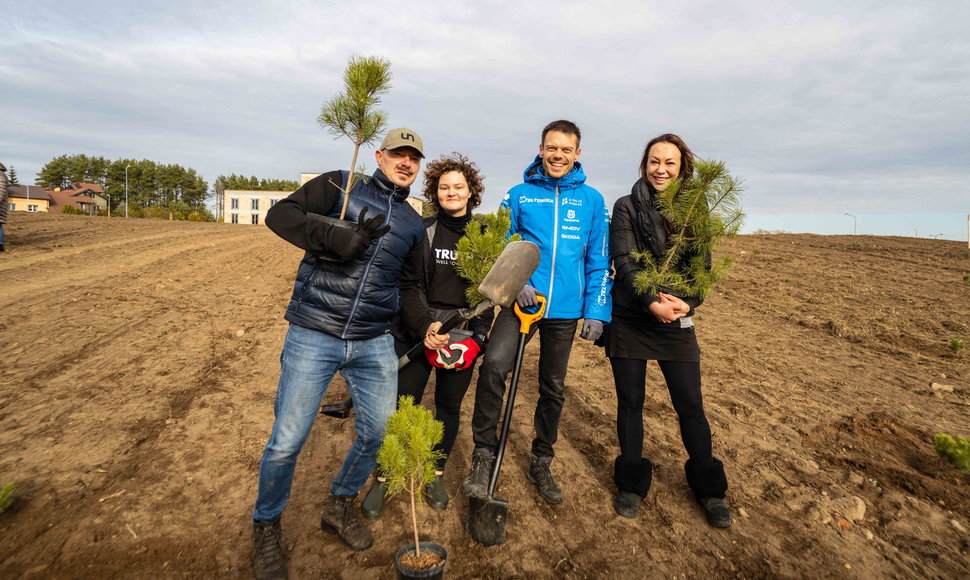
686	156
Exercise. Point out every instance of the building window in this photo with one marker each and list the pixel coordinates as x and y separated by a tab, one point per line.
31	207
256	204
255	218
233	203
272	202
235	218
12	206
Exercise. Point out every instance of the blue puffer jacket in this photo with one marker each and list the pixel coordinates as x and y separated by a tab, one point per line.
357	299
568	220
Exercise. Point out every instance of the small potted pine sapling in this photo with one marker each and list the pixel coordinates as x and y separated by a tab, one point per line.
701	213
406	460
354	113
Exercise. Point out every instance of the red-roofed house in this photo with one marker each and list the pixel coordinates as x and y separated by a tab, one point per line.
86	197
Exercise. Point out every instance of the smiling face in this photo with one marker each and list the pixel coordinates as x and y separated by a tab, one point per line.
453	193
400	165
663	165
559	152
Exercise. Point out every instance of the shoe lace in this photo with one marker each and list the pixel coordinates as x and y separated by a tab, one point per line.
348	517
544	476
269	544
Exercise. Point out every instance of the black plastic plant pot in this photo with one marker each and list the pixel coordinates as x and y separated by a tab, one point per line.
435	572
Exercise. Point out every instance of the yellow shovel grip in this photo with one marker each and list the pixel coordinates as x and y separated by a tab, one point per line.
526	319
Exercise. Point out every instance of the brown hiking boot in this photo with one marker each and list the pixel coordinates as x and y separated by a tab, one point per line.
269	563
340	517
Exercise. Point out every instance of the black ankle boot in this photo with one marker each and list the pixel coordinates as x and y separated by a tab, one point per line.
633	481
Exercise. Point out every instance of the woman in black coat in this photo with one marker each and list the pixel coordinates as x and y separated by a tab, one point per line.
657	327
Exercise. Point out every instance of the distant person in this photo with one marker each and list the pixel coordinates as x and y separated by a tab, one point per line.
647	327
568	220
453	188
347	291
3	203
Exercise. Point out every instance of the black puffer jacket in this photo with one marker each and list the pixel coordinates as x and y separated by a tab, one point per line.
357	299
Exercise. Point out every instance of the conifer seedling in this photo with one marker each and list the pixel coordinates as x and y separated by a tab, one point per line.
486	235
700	211
407	456
354	113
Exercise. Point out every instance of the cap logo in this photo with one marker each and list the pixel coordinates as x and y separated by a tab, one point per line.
407	136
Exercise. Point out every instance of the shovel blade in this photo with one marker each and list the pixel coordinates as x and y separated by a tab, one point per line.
486	520
510	272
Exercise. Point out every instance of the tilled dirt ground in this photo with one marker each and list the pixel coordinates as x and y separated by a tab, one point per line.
139	364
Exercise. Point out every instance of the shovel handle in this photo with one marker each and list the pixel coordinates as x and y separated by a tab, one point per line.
527	319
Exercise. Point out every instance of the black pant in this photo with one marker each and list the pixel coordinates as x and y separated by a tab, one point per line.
449	391
684	384
555	343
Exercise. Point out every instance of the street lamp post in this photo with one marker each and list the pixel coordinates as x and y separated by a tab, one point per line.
126	190
854	222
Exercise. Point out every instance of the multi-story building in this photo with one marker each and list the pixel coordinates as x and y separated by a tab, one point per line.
250	206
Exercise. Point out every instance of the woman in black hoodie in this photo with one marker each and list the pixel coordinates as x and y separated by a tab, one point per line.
453	188
657	327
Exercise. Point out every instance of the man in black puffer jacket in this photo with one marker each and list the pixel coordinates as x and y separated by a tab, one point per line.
347	291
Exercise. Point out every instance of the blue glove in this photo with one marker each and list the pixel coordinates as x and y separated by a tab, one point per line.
527	297
592	329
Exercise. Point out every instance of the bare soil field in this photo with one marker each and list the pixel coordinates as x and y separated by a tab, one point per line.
140	359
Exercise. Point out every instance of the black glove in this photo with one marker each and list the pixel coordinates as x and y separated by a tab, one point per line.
348	243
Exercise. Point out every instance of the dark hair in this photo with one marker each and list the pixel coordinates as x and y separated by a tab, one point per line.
563	126
686	156
454	162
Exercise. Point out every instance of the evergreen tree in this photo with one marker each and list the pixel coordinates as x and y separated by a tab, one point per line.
486	235
700	211
12	177
354	113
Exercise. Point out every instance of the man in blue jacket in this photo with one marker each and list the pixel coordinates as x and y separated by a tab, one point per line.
569	222
347	291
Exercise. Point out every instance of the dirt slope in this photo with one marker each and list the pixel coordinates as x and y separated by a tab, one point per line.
139	362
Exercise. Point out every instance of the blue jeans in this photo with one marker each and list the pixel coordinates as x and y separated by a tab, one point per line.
309	361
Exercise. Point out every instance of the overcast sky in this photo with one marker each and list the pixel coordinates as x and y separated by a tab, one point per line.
820	106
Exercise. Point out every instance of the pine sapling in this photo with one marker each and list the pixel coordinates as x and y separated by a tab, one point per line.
956	449
486	235
701	211
354	113
407	457
6	495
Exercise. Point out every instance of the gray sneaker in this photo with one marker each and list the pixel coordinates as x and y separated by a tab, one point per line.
269	562
476	484
540	475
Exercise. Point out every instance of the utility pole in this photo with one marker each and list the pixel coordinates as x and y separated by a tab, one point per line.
854	222
126	190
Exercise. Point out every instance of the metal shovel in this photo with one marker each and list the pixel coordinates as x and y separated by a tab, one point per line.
487	516
510	272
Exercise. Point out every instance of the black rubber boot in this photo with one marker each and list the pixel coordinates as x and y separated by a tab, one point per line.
709	484
373	503
436	494
633	482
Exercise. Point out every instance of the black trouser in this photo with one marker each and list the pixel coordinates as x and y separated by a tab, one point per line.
683	383
449	391
555	343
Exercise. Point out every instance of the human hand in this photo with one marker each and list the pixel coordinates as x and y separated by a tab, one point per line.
592	329
527	297
433	340
680	306
350	241
457	355
665	311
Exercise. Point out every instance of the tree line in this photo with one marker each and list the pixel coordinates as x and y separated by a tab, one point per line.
150	184
254	183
